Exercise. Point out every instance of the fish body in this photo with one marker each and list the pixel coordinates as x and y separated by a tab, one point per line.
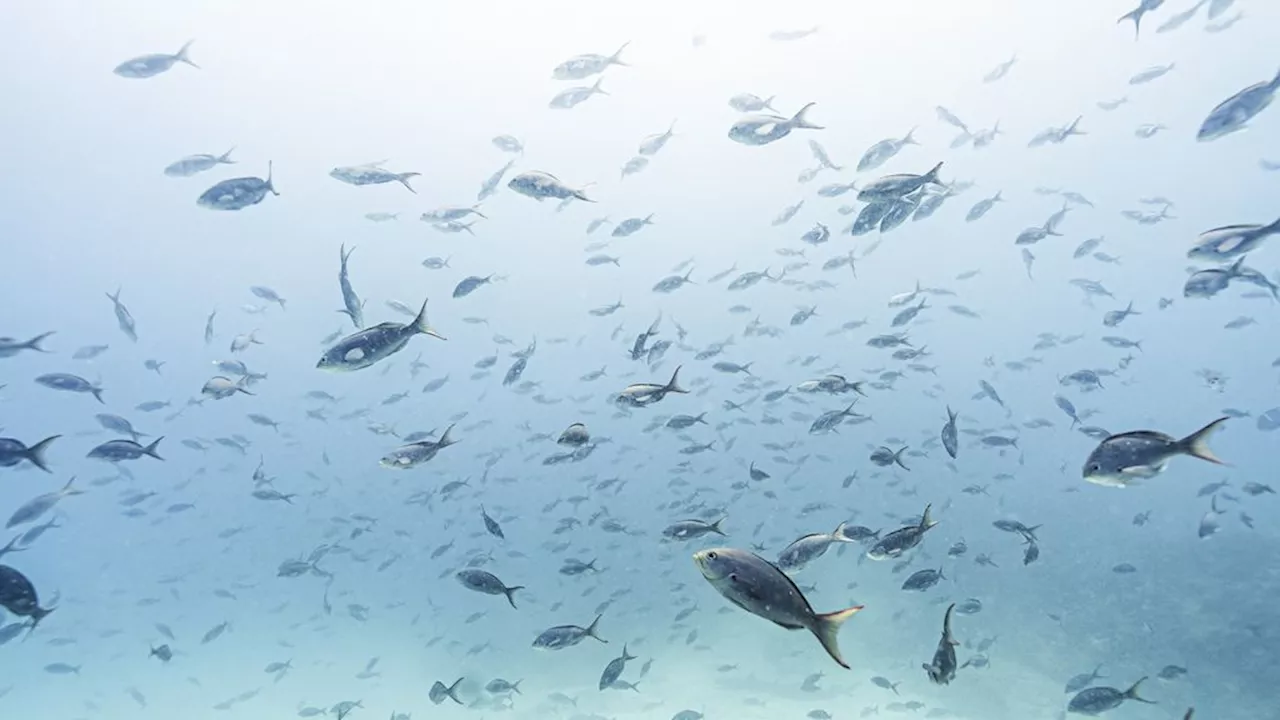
761	129
193	164
148	66
70	383
371	345
1231	241
1232	114
237	193
371	174
895	187
563	636
415	453
584	66
760	588
942	670
487	583
903	539
540	186
1097	700
120	450
1122	459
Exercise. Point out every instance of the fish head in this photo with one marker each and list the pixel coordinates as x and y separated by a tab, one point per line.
717	564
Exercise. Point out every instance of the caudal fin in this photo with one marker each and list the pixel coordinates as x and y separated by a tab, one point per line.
800	121
34	343
420	323
1132	692
674	384
1197	443
510	592
225	158
452	691
35	453
591	630
404	178
184	55
826	627
931	177
151	449
1136	17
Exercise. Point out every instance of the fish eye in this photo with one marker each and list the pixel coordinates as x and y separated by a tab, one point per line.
711	555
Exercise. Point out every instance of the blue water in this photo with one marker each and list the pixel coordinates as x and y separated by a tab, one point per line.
87	210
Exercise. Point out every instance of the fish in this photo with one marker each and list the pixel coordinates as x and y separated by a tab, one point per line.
372	174
149	66
942	669
194	164
14	452
761	129
487	583
580	67
238	193
903	539
375	344
1234	113
542	185
1120	460
760	588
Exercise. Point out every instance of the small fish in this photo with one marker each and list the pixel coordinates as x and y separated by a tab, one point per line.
148	66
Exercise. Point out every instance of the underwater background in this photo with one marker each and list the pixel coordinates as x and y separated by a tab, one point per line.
158	553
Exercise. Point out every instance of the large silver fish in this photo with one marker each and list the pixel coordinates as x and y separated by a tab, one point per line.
1121	459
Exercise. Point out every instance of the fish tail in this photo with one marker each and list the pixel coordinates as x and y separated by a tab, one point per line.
35	453
800	121
1197	443
839	534
225	157
897	458
420	323
37	615
1132	692
616	58
453	689
591	630
403	179
184	55
931	177
510	592
151	449
97	393
1136	17
445	440
826	627
715	528
926	520
674	384
34	343
596	89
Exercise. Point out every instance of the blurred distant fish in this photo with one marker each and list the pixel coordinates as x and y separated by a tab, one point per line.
192	164
146	66
789	35
371	174
586	65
